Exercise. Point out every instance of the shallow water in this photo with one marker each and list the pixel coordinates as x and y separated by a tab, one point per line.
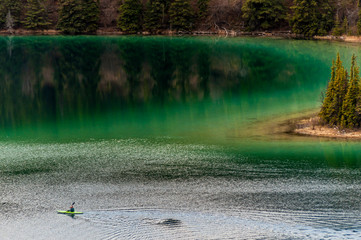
164	138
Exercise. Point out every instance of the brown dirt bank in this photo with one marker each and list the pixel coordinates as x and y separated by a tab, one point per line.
311	126
222	32
113	31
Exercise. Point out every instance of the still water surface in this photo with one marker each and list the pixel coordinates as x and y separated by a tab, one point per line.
165	138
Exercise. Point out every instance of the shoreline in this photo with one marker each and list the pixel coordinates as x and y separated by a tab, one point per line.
111	31
343	38
231	33
225	32
311	126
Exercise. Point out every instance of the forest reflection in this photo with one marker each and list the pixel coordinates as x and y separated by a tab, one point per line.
45	78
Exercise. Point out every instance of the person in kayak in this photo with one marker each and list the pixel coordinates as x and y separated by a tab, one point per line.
72	207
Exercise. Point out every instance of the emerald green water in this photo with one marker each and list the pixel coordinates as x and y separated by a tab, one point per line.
86	87
159	137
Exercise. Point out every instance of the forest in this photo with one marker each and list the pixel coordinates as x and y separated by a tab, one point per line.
303	17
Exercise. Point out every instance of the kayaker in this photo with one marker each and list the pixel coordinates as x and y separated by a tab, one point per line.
72	207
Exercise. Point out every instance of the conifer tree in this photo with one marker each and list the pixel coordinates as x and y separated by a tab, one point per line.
350	117
181	15
311	17
36	16
326	111
337	30
78	16
12	8
263	14
345	25
91	14
130	16
331	110
70	12
202	9
153	17
340	90
325	16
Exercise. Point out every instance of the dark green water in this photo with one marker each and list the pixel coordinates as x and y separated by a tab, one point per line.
159	137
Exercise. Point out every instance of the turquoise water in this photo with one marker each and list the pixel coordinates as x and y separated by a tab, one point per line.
160	137
91	87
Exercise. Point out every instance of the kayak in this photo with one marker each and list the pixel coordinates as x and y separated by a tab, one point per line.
68	212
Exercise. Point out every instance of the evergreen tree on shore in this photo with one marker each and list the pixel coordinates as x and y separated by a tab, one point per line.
202	6
153	17
345	28
342	104
36	16
350	118
312	17
91	14
78	16
327	112
263	14
130	16
181	15
10	8
340	86
337	30
331	110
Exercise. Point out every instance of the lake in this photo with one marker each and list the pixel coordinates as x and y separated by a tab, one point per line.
171	137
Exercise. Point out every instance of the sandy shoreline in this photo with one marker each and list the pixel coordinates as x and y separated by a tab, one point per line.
311	126
343	38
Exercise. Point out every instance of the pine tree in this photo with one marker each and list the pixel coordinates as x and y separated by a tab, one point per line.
78	16
181	15
345	25
340	90
325	15
304	18
326	113
331	110
12	7
70	12
202	9
263	14
130	16
350	118
91	14
153	17
311	17
337	30
36	16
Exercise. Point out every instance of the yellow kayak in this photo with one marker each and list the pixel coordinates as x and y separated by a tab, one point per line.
68	212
